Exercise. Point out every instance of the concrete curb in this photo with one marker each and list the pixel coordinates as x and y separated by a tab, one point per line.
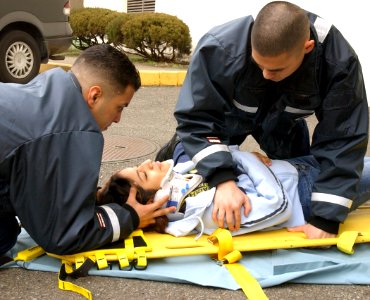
148	77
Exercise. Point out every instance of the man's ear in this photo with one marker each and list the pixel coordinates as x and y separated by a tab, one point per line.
308	46
92	95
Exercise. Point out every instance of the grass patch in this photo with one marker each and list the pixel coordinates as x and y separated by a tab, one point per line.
137	59
72	51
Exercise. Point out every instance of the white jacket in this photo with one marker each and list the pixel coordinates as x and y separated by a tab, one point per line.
272	191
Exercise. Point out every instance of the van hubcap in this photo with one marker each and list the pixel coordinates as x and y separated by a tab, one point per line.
19	59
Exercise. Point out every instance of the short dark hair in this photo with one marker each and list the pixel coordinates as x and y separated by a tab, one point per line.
108	64
118	192
279	27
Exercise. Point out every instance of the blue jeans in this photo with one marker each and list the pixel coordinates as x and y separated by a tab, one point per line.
308	170
179	155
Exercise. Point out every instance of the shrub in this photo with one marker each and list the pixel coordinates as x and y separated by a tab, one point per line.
114	32
157	36
89	25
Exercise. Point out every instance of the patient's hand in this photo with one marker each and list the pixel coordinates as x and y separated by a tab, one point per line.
148	212
312	232
227	205
102	190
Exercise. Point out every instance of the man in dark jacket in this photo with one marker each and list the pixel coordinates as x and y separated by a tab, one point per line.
51	146
262	78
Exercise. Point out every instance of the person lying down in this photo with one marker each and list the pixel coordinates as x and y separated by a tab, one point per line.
272	190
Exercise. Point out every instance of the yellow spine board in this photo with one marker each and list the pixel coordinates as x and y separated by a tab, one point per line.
356	229
220	245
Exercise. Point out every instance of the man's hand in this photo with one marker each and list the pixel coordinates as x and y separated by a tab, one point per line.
148	212
227	204
312	232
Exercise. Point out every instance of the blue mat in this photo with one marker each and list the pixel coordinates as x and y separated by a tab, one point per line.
270	268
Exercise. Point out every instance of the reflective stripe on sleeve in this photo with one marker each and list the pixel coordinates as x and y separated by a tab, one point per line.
249	109
294	110
114	221
289	109
208	151
322	28
329	198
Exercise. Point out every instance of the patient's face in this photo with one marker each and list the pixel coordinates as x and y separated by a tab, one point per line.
148	175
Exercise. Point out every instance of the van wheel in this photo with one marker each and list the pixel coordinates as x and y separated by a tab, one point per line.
20	57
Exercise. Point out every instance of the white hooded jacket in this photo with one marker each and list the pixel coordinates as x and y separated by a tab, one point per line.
272	191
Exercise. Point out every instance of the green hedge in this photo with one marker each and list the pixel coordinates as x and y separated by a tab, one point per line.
156	36
88	25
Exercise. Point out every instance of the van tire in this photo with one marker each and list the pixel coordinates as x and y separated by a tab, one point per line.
20	57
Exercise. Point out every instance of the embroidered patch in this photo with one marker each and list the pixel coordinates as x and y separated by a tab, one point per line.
101	220
213	139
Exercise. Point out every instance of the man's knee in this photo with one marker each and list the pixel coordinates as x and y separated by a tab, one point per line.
9	231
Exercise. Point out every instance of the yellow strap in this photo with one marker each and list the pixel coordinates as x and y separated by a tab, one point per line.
79	260
247	282
138	251
142	262
69	286
228	256
346	240
122	259
129	247
225	242
68	266
101	261
232	257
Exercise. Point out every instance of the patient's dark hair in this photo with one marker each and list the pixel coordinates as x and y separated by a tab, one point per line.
118	192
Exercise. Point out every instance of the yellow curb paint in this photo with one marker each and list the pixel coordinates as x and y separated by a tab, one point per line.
169	78
181	77
148	77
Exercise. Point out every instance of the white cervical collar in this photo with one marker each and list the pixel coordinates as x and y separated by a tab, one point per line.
177	186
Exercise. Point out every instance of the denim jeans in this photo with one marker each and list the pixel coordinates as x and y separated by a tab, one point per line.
308	170
179	155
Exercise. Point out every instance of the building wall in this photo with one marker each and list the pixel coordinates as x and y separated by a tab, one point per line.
76	4
118	5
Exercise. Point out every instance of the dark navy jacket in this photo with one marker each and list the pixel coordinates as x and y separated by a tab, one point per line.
225	98
50	156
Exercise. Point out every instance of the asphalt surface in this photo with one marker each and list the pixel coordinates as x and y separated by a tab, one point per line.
150	117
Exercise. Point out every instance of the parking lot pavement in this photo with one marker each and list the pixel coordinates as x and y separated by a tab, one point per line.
149	117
